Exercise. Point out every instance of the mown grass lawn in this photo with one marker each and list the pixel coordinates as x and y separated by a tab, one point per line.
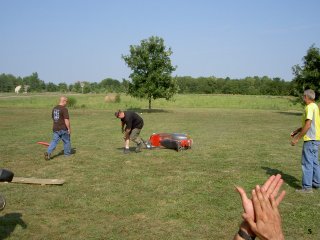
157	194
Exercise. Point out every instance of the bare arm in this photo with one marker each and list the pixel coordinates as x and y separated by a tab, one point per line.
122	127
303	131
295	132
67	122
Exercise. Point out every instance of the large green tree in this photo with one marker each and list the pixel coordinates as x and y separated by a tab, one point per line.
51	87
110	85
308	75
35	84
151	70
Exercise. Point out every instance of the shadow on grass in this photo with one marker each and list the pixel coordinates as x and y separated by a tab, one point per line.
73	151
8	224
290	180
291	113
144	110
132	149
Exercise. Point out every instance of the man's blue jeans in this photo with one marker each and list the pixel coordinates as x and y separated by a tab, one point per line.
65	137
310	165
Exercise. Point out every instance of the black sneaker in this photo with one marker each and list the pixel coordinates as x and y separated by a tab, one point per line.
126	150
317	188
46	156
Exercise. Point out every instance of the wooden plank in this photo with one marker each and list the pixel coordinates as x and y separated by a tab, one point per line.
40	181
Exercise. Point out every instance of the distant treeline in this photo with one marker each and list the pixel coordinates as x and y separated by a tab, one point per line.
247	86
208	85
32	83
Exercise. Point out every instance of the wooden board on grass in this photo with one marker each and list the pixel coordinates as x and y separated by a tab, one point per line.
40	181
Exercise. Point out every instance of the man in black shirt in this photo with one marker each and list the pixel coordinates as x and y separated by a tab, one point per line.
61	128
131	125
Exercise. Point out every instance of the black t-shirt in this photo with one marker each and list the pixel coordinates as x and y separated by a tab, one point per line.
132	120
59	114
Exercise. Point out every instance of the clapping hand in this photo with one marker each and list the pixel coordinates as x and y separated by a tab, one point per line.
269	189
267	222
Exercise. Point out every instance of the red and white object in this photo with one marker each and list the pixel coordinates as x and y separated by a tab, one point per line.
177	141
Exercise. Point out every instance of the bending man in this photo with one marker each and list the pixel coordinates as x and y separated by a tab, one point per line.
131	125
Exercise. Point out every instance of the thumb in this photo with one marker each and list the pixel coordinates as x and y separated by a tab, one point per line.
242	193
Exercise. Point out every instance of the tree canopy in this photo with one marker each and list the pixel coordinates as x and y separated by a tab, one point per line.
247	86
151	70
8	82
308	75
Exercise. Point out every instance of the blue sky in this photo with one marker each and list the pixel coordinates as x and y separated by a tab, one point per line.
83	40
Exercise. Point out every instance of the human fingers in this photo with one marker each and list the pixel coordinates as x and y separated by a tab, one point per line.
273	202
244	199
275	185
271	184
256	204
275	208
242	193
262	197
267	184
280	197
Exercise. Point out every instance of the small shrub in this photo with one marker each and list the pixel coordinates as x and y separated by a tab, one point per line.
72	102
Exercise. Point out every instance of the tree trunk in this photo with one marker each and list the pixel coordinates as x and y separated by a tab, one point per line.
149	103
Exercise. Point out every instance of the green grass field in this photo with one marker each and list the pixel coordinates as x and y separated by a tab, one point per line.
156	194
96	101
